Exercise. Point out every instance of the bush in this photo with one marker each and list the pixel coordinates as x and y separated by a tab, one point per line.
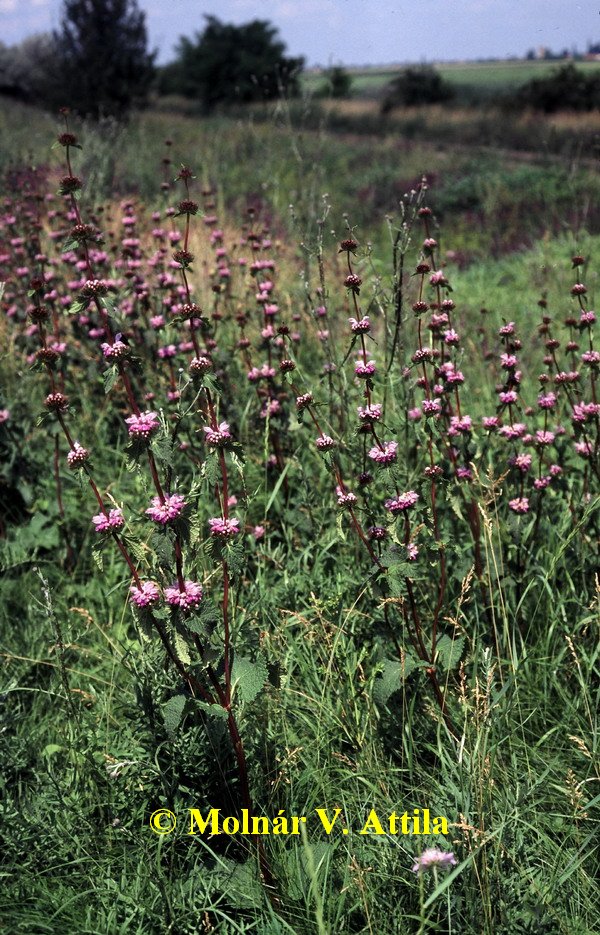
414	87
567	88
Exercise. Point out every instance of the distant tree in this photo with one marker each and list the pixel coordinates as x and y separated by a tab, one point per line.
566	88
414	87
227	63
30	71
337	83
103	53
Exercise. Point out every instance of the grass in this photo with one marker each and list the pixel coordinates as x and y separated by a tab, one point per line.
343	715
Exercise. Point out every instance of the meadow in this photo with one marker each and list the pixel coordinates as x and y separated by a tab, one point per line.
299	438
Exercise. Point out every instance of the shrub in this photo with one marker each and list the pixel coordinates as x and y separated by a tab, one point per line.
414	87
567	88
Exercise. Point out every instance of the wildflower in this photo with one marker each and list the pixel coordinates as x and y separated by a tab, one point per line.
412	552
364	369
353	283
451	337
104	522
187	598
464	473
490	422
377	532
584	449
345	497
147	593
56	402
219	437
258	532
384	454
324	442
303	401
402	502
166	352
544	438
522	462
200	365
540	483
519	505
547	400
163	511
370	413
507	397
143	425
516	430
415	414
361	326
223	528
591	357
116	350
4	415
77	456
459	424
431	407
434	857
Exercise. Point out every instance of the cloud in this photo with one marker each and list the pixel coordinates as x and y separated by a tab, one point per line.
8	6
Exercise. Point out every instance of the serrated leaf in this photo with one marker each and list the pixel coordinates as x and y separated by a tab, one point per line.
110	377
211	469
449	651
214	710
249	677
173	712
395	672
181	648
162	449
97	557
235	556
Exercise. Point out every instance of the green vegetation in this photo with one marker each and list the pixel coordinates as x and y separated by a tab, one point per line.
360	675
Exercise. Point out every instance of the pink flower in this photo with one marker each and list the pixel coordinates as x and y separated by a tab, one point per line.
508	396
522	462
345	497
415	414
147	593
324	442
143	425
77	456
434	857
547	400
431	407
116	350
519	505
223	528
459	425
4	415
164	511
361	326
377	532
402	502
219	437
513	431
385	454
362	369
370	413
490	422
544	438
258	532
187	599
168	351
114	520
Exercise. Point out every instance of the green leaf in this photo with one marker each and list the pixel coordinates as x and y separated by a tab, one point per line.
181	648
249	677
110	377
162	449
449	651
235	555
97	557
173	712
214	710
395	672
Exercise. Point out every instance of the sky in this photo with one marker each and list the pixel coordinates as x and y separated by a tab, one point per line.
357	32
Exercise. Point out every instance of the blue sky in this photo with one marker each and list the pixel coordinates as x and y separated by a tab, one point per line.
357	32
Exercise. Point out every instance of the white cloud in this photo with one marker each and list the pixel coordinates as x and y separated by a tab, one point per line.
8	6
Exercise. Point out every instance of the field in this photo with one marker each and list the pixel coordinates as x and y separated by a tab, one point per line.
299	501
476	79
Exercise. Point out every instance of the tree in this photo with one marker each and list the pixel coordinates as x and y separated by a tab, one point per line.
104	57
227	64
414	87
337	83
